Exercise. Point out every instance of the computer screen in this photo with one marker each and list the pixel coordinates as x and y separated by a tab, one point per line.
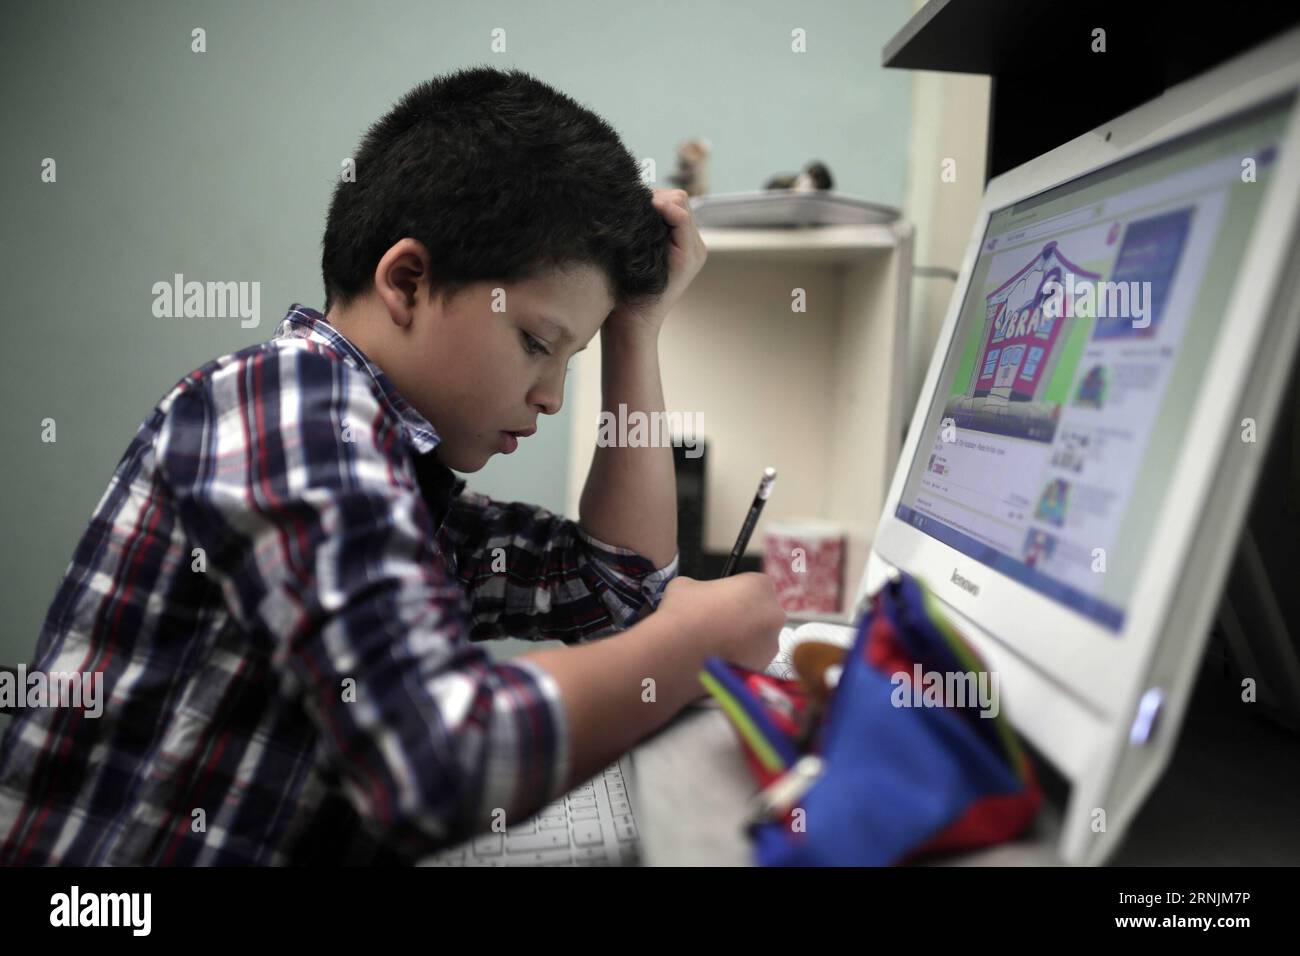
1091	314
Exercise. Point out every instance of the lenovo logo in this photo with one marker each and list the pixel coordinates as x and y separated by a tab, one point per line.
965	585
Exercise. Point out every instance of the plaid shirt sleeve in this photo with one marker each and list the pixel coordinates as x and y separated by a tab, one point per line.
289	474
535	575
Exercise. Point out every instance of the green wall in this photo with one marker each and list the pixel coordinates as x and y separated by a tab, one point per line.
219	165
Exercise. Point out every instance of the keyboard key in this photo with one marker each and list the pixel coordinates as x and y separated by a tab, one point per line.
489	845
559	857
542	840
587	833
625	827
584	813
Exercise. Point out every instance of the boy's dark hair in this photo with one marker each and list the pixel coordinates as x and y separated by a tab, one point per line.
499	176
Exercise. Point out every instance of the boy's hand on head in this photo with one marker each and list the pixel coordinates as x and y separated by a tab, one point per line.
686	255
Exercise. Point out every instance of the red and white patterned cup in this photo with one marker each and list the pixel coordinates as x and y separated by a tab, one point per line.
805	560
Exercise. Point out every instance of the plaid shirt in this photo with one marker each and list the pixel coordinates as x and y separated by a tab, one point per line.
315	693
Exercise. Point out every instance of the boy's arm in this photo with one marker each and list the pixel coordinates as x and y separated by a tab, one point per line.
630	498
533	574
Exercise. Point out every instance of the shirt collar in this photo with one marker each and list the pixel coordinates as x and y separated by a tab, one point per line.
304	323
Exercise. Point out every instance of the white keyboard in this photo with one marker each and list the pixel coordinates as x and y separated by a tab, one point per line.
591	826
783	664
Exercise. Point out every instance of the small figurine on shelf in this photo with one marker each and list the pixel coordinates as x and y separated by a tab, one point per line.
812	177
692	173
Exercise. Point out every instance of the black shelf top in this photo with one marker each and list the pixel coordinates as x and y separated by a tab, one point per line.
1044	37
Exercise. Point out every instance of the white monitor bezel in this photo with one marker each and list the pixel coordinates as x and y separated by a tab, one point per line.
1101	668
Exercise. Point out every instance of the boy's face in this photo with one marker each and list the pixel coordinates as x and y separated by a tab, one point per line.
475	373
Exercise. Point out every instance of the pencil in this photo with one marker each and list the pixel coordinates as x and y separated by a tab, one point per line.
751	519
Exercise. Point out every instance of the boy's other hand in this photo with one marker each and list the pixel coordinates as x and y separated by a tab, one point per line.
686	255
737	618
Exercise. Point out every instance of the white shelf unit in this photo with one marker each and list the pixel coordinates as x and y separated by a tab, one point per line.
818	394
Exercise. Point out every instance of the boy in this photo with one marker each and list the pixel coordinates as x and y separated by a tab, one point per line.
284	583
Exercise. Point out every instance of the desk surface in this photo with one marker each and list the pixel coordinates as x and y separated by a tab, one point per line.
1226	798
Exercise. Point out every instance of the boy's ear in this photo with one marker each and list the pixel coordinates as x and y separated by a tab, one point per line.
404	271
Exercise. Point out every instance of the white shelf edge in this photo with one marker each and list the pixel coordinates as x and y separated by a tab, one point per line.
817	239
